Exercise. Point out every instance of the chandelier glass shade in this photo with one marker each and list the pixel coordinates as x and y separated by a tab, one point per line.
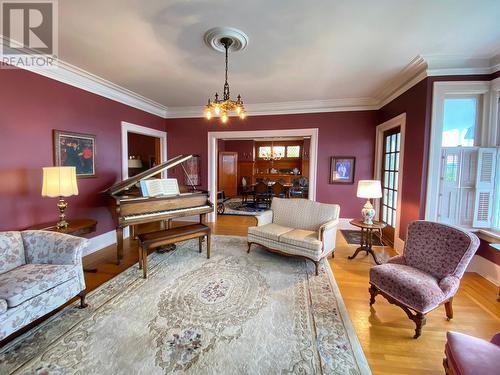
272	154
224	107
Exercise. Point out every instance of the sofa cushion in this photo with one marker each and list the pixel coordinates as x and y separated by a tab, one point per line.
303	213
270	231
3	306
469	355
302	238
30	280
11	251
412	287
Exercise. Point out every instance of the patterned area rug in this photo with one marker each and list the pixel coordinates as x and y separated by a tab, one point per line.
234	206
237	313
353	237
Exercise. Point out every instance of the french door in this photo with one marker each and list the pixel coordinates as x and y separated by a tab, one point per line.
390	176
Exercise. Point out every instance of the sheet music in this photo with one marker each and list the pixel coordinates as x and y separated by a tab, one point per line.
156	187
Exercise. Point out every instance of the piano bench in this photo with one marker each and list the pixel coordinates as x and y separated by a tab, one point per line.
154	240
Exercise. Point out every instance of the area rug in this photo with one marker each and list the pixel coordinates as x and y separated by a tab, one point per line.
353	237
236	313
234	206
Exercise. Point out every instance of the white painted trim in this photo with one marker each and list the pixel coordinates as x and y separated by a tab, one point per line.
100	242
212	155
138	129
77	77
485	268
379	143
284	108
441	90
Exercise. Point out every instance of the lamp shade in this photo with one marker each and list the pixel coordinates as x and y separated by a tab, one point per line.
59	182
369	189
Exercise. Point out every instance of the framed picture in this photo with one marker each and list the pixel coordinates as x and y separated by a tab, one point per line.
192	167
342	169
75	150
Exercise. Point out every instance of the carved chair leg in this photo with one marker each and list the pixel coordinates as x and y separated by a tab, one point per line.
373	293
333	254
317	267
249	245
82	295
449	309
420	321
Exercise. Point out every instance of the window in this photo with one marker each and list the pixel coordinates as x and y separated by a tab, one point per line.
279	151
463	186
292	151
459	122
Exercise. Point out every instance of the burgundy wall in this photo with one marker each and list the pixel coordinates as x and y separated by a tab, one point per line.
33	105
244	148
415	103
340	133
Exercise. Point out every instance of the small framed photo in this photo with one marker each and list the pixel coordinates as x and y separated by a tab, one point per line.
342	169
75	150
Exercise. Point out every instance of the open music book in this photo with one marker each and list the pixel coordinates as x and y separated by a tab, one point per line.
156	186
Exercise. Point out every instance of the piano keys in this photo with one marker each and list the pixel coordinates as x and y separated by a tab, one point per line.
129	207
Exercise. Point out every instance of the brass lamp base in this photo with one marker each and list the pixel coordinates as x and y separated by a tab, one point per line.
62	223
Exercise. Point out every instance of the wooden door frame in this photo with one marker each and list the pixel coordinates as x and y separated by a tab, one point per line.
213	149
377	175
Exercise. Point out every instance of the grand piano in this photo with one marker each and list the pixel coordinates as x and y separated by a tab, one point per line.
129	207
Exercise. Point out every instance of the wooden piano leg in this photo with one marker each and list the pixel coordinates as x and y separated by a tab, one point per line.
119	245
140	255
144	262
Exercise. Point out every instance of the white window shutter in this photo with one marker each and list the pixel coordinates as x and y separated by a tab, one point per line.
485	181
449	197
468	172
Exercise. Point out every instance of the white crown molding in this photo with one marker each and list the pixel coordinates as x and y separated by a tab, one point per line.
417	70
74	76
287	108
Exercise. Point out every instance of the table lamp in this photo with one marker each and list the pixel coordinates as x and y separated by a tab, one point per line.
369	189
59	182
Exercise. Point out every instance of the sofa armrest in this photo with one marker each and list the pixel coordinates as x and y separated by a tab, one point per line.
44	247
398	259
265	218
327	234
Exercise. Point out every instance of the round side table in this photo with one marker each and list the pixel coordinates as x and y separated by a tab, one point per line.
366	237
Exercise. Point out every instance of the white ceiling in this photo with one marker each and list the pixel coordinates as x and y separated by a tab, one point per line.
298	50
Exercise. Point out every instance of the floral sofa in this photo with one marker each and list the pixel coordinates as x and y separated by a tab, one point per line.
297	227
39	271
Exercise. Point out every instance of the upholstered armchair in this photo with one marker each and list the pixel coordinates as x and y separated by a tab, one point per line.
429	271
39	271
297	227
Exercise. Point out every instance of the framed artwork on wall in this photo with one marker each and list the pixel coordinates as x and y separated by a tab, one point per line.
75	150
192	167
342	169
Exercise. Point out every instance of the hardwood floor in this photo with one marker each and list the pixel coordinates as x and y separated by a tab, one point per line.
385	332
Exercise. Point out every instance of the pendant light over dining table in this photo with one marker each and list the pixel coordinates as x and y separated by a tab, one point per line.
224	39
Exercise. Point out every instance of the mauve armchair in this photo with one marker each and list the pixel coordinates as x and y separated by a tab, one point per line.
428	272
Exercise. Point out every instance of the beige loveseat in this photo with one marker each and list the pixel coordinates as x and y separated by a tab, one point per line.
39	271
297	227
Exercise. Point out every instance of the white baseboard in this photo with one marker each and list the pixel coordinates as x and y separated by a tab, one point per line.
485	268
100	242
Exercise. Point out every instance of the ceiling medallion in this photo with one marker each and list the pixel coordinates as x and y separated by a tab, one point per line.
223	39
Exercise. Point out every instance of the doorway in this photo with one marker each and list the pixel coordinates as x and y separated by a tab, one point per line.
389	160
390	173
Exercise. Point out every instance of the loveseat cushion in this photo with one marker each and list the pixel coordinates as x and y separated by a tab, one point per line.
11	251
3	306
302	238
412	287
31	280
269	231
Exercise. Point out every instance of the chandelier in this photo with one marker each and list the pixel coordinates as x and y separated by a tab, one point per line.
225	106
272	155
